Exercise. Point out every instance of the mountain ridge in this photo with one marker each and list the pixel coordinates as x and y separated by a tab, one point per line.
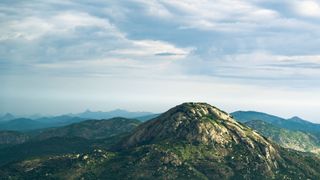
294	123
297	140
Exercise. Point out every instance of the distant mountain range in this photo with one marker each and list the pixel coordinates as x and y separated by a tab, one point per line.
189	141
26	124
294	133
110	114
11	123
90	129
294	123
7	117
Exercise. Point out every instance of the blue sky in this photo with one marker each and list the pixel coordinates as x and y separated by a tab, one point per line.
60	56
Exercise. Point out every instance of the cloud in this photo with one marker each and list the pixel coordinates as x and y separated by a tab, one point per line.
215	15
223	38
308	8
145	48
33	27
53	41
155	8
259	68
144	52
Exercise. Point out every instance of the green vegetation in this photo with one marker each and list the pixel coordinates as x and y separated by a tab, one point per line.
79	137
190	141
296	140
91	129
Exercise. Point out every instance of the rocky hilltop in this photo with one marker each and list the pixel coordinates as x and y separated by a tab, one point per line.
196	123
201	123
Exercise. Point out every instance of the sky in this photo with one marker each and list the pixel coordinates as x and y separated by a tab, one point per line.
61	56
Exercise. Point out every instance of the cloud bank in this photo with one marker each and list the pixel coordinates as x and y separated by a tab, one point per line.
233	44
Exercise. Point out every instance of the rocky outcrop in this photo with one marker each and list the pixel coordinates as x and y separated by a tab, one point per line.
201	123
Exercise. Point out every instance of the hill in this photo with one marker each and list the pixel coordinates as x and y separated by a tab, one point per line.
26	124
294	123
91	129
296	140
6	117
21	124
56	121
190	141
111	114
147	117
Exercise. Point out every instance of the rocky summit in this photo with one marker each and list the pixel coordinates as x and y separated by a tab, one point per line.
201	123
190	141
196	123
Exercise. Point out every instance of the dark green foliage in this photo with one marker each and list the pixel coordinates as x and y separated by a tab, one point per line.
78	137
52	146
167	160
91	129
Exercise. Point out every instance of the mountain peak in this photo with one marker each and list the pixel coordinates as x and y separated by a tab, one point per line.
299	120
7	117
295	118
199	110
198	123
